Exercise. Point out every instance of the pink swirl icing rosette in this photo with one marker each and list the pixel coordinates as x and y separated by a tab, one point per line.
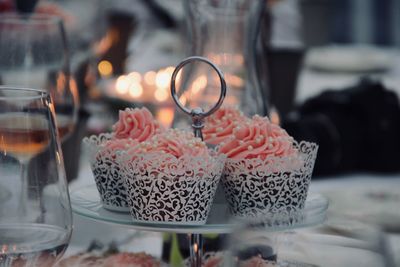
133	127
137	124
172	178
266	171
220	125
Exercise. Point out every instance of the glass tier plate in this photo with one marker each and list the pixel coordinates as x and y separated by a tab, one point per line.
85	201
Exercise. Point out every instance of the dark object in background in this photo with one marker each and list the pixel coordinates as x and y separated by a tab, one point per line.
257	250
25	6
283	62
280	53
211	244
159	13
357	128
71	147
122	24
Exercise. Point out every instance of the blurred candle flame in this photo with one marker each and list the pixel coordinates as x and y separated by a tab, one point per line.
122	85
165	116
135	90
106	42
234	80
105	68
151	86
161	94
226	59
60	83
150	77
135	76
274	116
162	79
183	99
199	84
169	70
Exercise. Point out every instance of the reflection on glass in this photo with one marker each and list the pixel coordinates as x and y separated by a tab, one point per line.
33	53
225	32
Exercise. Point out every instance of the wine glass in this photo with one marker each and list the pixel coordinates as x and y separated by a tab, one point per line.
34	53
36	218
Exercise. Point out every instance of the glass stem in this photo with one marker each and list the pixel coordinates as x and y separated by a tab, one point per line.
196	250
24	188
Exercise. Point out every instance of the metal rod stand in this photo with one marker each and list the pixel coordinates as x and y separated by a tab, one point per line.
196	249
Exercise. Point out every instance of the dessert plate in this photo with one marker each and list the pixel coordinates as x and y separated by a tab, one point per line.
377	205
349	58
85	201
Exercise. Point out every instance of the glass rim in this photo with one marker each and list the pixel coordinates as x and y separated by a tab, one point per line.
39	93
26	18
226	10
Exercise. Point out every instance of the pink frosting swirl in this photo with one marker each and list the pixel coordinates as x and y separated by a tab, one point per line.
219	126
258	138
111	147
174	142
137	124
120	144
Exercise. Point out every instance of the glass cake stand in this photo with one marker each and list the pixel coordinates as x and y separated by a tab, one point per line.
86	202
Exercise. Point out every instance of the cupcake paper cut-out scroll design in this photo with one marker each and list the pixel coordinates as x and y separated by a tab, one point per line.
266	173
172	178
133	127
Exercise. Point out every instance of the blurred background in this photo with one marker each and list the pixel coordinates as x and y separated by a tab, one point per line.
327	71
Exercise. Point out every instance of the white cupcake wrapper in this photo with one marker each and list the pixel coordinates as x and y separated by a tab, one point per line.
107	173
164	189
276	185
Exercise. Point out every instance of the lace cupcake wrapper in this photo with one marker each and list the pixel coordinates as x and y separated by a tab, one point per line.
167	190
107	173
275	186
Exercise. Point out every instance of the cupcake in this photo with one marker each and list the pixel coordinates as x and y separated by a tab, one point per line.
218	127
133	127
266	171
171	178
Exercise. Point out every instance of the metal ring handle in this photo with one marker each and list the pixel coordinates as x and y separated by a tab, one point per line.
173	87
